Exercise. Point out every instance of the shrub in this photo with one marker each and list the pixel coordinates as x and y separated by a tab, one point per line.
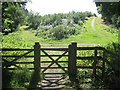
113	70
16	79
111	77
61	31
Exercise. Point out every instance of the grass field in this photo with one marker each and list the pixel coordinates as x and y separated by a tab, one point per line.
96	33
100	36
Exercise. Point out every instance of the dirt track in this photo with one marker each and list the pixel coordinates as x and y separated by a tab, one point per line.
99	34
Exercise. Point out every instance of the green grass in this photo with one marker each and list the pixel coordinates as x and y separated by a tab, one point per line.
26	38
90	37
102	28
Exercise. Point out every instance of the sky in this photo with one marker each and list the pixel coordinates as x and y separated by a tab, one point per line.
61	6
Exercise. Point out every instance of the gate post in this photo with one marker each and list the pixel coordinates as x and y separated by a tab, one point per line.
103	64
37	57
95	62
72	69
35	78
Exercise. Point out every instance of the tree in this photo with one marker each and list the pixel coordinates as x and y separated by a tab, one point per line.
110	12
12	15
33	20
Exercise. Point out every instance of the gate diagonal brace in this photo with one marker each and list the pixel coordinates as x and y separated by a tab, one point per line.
11	64
22	56
54	61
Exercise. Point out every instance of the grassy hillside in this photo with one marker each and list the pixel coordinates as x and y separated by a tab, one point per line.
95	32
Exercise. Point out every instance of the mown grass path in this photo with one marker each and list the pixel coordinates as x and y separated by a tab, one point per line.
97	32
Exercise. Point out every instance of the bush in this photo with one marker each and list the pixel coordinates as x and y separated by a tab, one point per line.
59	32
111	78
113	70
16	79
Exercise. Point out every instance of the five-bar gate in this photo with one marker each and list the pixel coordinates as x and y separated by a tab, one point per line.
55	65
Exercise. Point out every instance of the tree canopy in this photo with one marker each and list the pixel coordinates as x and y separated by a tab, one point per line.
13	14
110	12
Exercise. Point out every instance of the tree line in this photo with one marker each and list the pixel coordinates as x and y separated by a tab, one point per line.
14	14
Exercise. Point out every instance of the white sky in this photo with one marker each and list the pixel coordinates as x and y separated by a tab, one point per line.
61	6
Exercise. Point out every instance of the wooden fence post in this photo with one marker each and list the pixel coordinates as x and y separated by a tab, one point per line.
72	69
37	57
95	62
35	78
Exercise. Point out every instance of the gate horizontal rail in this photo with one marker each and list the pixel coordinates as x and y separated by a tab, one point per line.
89	67
89	58
90	48
53	61
15	49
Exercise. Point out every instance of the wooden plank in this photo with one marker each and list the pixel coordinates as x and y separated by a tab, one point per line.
16	56
54	55
55	49
15	49
56	79
33	56
19	62
53	73
52	76
89	58
19	69
53	67
89	67
54	61
90	48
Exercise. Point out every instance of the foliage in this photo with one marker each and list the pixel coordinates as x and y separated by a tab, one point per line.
33	20
26	38
113	71
36	21
59	32
111	77
16	79
111	15
59	26
13	14
15	40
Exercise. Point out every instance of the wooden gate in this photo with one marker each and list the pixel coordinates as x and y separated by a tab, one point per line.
53	66
66	61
